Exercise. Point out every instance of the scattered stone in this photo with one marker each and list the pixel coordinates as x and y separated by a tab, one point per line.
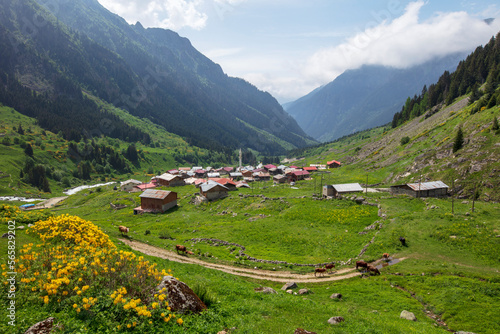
336	296
303	331
467	213
180	296
290	285
408	316
289	291
335	320
465	202
304	291
43	327
20	227
453	236
266	290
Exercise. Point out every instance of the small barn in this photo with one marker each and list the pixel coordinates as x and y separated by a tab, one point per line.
170	180
335	190
333	164
422	189
298	175
129	185
213	190
156	201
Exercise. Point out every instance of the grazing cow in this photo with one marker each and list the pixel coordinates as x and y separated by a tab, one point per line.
373	269
330	266
385	256
319	270
123	229
361	264
180	248
403	241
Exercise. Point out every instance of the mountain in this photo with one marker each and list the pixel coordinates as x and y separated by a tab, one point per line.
364	98
50	55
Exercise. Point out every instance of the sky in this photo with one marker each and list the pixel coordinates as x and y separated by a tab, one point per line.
290	47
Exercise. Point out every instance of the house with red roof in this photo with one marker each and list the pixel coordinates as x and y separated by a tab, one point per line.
333	164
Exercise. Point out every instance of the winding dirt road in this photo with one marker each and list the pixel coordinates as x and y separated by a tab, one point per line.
268	275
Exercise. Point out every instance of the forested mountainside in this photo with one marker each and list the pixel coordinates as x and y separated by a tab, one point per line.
151	73
481	67
364	98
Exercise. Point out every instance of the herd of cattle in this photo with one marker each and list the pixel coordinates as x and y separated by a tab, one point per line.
359	264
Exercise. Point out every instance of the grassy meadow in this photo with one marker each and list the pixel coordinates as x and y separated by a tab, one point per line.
451	270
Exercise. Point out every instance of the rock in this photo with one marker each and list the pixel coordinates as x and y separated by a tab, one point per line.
180	296
467	213
465	202
266	290
453	236
43	327
335	320
290	285
303	331
304	291
289	291
336	296
408	315
20	227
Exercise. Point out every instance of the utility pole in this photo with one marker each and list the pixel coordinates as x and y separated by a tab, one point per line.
452	197
474	196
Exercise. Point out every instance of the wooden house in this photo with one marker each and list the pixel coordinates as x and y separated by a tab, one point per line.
333	164
213	190
425	189
279	178
297	175
336	190
156	201
169	180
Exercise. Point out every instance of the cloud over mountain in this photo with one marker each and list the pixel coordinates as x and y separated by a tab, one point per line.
403	42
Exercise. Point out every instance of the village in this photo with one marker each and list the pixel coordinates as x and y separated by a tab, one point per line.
216	183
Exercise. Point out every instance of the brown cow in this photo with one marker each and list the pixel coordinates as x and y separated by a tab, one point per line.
330	266
123	229
361	264
385	256
319	270
180	248
373	269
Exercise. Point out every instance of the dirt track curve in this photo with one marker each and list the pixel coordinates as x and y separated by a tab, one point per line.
275	276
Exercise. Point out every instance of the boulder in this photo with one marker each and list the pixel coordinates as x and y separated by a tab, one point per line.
43	327
180	296
290	285
303	331
335	320
336	296
266	290
304	291
408	316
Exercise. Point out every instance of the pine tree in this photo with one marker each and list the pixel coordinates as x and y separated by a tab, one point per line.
459	140
20	130
495	126
28	150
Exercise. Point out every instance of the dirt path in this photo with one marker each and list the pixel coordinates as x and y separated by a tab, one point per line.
275	276
51	202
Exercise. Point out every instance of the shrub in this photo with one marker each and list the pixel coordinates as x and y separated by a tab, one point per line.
405	140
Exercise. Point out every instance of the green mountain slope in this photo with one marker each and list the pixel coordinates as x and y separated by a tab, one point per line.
152	73
379	155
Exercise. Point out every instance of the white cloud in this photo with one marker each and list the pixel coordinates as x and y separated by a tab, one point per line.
169	14
401	43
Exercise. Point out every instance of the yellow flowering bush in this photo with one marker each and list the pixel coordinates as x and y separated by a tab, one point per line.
13	213
78	267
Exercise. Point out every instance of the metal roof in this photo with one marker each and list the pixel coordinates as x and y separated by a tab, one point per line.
167	177
210	185
427	185
156	194
347	187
